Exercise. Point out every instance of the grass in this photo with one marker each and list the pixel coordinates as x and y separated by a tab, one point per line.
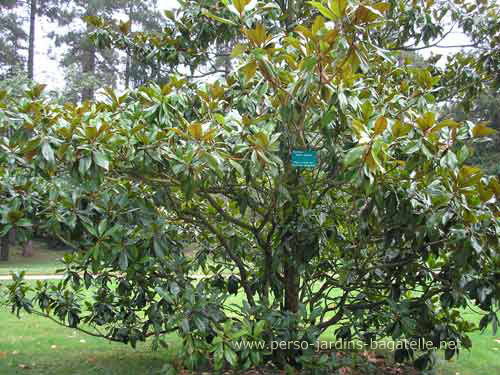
46	348
44	260
38	346
483	359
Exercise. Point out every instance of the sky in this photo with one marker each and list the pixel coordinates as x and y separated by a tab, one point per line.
48	71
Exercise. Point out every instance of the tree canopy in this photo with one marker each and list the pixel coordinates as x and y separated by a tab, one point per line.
388	232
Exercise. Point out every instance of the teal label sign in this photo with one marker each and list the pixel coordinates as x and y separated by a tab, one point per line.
304	159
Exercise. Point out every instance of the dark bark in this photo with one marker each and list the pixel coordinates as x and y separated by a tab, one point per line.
28	249
227	60
127	72
31	45
89	57
290	244
12	236
291	281
290	19
4	248
290	272
128	66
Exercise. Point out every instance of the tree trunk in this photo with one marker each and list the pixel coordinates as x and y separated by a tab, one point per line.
290	19
290	242
129	57
89	57
28	249
12	236
227	60
4	248
31	46
291	284
127	72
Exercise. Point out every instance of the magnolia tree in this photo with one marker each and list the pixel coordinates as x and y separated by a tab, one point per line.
315	183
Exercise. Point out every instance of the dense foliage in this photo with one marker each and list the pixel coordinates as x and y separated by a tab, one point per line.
390	234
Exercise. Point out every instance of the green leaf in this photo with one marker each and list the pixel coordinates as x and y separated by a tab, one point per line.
249	70
208	14
200	324
367	109
445	124
480	130
185	325
494	322
354	155
380	125
157	248
230	356
483	323
240	5
102	227
219	118
213	163
476	246
238	50
259	328
101	160
338	7
84	165
324	10
90	229
449	160
47	152
238	167
5	230
24	223
174	288
123	260
426	121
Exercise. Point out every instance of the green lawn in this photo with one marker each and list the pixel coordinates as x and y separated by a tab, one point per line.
483	359
45	348
43	261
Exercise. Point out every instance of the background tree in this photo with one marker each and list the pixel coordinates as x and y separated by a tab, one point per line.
143	16
486	109
11	37
31	39
87	67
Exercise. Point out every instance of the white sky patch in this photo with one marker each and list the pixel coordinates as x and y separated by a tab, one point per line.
454	38
47	69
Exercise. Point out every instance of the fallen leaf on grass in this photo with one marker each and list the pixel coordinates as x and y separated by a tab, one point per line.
26	367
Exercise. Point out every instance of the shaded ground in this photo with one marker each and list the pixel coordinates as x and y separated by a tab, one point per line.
36	346
43	261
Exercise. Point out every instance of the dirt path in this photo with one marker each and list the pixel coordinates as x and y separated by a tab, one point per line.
60	277
34	277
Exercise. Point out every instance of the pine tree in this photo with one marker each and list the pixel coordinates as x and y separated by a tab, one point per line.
86	67
12	36
143	16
